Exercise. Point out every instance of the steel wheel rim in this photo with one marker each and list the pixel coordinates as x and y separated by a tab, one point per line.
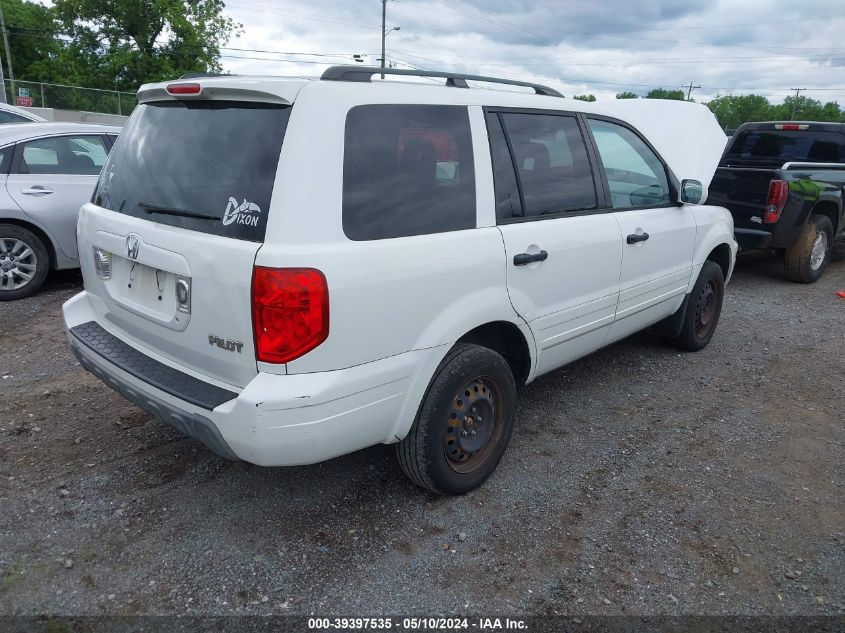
18	263
473	424
819	251
706	308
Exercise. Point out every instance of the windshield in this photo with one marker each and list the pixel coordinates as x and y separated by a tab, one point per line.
776	147
202	165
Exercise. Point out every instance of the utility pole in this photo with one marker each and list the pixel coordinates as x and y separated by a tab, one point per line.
8	57
383	32
690	88
798	91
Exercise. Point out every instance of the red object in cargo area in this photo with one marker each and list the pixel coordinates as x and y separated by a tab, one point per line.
778	193
841	294
290	312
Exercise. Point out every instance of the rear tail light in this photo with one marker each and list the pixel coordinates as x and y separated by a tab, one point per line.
290	312
791	126
778	193
184	89
183	294
102	263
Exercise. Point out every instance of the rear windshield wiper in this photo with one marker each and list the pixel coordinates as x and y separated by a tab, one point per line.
150	207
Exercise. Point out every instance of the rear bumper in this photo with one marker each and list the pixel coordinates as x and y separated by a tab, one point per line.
752	239
275	420
191	424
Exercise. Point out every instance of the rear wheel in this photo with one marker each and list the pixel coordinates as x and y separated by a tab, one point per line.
703	309
806	260
24	262
464	422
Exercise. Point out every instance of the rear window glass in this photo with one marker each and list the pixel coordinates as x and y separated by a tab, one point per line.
776	147
176	160
407	170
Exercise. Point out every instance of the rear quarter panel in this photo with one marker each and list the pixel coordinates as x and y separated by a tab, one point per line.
387	296
807	189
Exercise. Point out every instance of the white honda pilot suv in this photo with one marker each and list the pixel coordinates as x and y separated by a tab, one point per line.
290	269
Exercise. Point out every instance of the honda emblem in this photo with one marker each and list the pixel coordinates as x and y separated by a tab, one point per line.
133	243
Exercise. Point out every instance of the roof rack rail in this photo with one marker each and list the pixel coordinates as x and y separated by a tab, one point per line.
455	80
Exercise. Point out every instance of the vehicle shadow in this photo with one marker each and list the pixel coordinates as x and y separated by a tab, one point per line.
759	264
61	280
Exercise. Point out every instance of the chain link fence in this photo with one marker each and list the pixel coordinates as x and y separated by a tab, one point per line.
46	95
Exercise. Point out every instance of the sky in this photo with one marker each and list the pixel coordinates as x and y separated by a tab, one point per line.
767	47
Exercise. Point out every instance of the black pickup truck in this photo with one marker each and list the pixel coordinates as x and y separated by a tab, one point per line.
783	183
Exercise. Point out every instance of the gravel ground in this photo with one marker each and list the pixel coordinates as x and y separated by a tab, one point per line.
639	480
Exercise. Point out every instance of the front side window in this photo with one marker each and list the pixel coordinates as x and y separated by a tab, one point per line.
70	155
552	164
407	170
635	175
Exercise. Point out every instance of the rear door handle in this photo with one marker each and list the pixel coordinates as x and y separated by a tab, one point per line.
36	191
526	258
633	238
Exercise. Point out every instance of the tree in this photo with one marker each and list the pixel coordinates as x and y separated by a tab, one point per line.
120	44
589	97
33	39
733	111
800	108
627	95
661	93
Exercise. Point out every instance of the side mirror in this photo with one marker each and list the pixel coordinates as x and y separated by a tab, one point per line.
692	192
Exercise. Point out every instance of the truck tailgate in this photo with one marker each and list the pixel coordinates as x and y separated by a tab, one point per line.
743	191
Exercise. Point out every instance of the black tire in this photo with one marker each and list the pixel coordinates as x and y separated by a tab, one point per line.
837	252
10	233
703	309
801	260
486	376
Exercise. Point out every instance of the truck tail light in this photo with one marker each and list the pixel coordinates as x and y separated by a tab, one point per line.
290	312
778	193
791	126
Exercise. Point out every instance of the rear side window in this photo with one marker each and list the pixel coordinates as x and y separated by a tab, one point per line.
552	163
69	155
776	147
508	202
11	117
407	170
635	175
6	154
207	166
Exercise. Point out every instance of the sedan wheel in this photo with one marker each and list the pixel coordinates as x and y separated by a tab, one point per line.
24	262
18	263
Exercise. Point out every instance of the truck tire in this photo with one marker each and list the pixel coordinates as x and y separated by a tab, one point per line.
464	422
24	262
703	309
806	260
